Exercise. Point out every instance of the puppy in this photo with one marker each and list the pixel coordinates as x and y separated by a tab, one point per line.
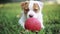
31	9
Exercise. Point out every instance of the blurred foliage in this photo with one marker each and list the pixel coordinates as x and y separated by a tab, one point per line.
51	19
9	20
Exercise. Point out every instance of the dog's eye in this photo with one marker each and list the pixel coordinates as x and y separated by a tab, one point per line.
26	9
36	10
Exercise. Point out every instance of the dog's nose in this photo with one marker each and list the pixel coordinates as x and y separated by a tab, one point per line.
30	16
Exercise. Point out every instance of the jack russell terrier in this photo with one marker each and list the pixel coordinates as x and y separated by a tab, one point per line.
31	9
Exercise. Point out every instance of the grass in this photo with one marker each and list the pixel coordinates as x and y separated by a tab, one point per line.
9	21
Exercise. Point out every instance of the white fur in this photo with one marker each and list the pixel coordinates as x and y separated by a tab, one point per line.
38	15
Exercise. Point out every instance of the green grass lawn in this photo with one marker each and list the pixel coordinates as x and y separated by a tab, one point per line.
9	20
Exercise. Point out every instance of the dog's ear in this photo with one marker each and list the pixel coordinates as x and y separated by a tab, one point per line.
24	4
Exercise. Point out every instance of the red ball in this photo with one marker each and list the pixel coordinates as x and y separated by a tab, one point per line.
33	24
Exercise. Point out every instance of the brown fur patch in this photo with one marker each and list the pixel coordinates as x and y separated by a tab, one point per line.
36	7
25	7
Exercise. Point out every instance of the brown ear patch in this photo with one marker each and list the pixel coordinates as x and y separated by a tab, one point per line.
24	5
36	7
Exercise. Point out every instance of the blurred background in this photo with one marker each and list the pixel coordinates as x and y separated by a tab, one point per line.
10	14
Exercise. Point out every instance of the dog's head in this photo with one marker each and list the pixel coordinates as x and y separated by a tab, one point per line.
32	8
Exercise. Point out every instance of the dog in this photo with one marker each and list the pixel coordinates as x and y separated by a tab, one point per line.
31	9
